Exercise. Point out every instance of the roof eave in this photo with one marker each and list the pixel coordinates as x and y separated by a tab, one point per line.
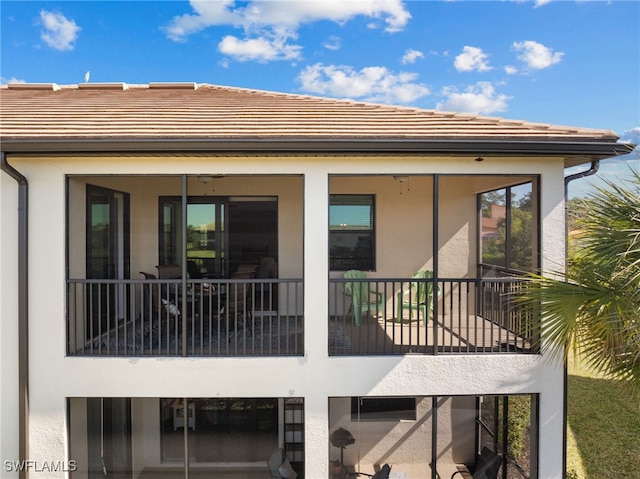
589	150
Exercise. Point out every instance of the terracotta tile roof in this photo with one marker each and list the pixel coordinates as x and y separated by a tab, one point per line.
187	112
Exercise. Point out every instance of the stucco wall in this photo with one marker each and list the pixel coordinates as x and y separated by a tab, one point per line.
315	376
8	320
407	441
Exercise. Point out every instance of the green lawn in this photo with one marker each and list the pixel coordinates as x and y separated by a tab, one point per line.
604	428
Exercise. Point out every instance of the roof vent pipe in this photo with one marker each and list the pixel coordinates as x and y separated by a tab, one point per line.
23	312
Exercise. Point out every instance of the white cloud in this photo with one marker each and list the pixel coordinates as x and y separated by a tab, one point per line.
411	55
535	55
59	32
471	58
332	43
261	49
264	22
632	136
206	14
375	84
510	70
4	81
478	98
260	14
540	3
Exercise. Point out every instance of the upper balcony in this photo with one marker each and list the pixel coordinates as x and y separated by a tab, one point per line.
214	265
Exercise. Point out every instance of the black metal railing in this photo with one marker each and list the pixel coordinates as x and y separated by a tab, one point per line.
475	315
154	317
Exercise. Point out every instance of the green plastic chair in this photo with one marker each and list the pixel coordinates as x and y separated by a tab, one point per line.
362	297
418	297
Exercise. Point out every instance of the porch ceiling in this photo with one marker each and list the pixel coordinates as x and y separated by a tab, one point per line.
191	117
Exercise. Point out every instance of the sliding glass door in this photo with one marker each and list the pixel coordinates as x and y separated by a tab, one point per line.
206	235
108	439
222	232
107	254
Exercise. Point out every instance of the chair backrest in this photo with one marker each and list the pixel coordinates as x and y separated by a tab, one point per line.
158	300
169	271
487	465
383	473
148	275
423	290
237	295
356	290
192	270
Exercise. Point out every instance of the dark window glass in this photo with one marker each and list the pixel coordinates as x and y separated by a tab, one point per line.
507	233
351	232
222	233
383	409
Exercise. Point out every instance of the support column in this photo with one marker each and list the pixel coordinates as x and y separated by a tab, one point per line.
316	435
316	320
316	265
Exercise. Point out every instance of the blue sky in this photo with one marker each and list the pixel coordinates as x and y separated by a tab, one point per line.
561	62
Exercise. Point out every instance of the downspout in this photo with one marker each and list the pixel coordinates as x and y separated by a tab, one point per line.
595	164
23	311
568	179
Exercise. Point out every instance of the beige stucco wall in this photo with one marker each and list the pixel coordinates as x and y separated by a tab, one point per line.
8	319
315	376
403	443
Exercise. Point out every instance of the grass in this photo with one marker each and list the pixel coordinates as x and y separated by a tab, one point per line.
603	436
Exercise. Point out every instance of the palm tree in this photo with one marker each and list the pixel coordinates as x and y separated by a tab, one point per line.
595	309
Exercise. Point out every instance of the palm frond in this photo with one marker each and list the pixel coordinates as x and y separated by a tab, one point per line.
595	309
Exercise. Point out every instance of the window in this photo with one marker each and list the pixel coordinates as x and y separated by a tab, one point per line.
351	232
383	409
222	233
508	235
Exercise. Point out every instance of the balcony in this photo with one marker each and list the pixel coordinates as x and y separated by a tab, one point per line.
212	318
216	225
154	318
466	316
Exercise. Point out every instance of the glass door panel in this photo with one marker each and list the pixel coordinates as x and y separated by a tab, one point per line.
222	233
206	245
107	255
206	236
109	437
219	430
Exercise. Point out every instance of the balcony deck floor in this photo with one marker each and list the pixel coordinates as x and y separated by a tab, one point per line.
472	334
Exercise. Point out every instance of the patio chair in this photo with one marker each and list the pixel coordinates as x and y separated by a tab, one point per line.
169	271
486	467
158	298
158	311
362	297
383	473
418	297
236	307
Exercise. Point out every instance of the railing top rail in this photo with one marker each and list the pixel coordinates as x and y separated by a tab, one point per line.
179	280
426	280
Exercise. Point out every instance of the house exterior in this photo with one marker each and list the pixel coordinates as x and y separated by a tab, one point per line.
173	284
